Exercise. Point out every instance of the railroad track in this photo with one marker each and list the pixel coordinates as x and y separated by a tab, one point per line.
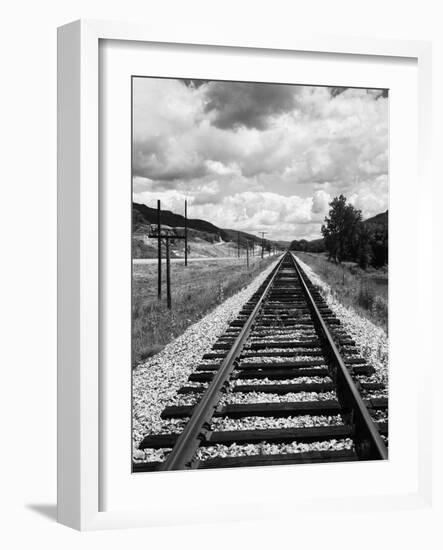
282	385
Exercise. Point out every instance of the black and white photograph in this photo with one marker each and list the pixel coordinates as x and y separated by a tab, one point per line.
259	274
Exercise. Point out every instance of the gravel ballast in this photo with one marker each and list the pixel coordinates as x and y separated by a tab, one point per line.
275	359
156	381
219	451
238	398
282	381
269	422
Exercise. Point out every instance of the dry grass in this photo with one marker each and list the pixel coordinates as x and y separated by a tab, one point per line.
364	290
196	290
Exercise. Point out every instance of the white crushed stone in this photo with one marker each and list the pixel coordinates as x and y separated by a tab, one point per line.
276	359
223	451
211	361
151	455
276	382
262	397
367	378
265	422
379	415
296	351
170	426
184	399
156	381
285	336
371	340
375	394
197	385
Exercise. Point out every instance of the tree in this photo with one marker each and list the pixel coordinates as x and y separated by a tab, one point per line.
380	245
364	252
341	230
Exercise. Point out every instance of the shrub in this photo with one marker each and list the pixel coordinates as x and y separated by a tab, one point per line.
365	296
380	307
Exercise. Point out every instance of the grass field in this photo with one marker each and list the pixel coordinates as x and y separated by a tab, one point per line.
365	290
196	290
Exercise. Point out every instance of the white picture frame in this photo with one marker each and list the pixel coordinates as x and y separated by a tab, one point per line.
80	412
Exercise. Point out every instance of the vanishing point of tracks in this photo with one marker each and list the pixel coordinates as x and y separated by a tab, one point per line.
285	341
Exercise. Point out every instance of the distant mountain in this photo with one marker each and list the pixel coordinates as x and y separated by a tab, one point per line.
143	216
380	219
233	235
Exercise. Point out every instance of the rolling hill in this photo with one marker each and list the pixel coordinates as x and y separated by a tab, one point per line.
204	238
381	220
143	215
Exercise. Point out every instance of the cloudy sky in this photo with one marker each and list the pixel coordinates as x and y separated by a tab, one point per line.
259	157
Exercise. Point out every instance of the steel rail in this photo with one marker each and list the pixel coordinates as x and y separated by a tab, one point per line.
182	453
368	442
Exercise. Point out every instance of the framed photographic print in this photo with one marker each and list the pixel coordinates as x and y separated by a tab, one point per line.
230	223
242	364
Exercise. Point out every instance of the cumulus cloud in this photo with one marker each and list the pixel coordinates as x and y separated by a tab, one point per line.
371	197
221	169
279	216
265	155
320	202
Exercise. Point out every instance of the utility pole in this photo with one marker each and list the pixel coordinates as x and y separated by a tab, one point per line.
186	233
168	275
159	254
159	238
238	244
263	233
247	254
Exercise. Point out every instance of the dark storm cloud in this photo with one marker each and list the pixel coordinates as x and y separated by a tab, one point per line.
337	91
235	104
193	82
377	93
